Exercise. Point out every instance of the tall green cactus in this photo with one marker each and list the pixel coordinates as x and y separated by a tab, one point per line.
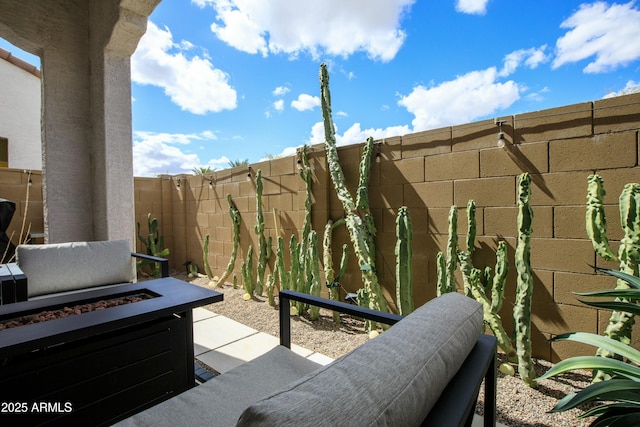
620	323
296	271
524	284
313	273
234	213
471	226
404	262
264	247
361	228
596	219
447	266
283	276
247	274
205	257
333	280
153	243
301	284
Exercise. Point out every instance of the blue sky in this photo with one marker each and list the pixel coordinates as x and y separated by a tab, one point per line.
220	80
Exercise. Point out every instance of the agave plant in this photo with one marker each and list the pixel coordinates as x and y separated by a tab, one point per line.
617	397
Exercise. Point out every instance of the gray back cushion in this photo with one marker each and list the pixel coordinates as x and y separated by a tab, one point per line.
62	267
394	379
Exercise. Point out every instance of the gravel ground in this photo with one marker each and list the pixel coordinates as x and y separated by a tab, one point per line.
517	405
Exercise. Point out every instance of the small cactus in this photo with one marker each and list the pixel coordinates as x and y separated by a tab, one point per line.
270	285
153	243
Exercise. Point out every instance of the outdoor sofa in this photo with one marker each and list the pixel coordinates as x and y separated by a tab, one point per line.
55	269
425	370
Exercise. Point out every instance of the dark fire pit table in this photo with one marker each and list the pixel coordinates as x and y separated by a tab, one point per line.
98	367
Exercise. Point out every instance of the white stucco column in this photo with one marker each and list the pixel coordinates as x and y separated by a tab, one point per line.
114	38
85	46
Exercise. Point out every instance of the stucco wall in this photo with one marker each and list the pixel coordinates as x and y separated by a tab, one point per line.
20	116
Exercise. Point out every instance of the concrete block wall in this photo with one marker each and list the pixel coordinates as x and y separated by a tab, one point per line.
429	172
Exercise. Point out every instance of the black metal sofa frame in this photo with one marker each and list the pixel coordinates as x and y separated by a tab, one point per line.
456	405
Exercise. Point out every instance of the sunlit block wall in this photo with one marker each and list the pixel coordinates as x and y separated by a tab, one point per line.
428	172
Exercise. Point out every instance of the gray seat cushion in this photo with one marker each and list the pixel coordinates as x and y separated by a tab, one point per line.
62	267
393	380
221	400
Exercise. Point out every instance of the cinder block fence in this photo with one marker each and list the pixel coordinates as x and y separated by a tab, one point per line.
428	172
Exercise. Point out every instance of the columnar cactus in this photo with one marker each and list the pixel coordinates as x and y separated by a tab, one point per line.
283	276
596	219
524	284
234	213
296	270
205	257
264	248
361	229
333	280
313	273
491	308
471	226
441	270
153	242
446	277
620	323
247	274
270	285
404	266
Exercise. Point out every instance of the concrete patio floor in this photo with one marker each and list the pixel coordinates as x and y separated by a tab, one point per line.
223	344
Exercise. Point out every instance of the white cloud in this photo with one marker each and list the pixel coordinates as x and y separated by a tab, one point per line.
221	163
355	135
305	102
472	95
630	87
610	33
289	151
531	58
159	153
537	96
279	105
328	27
472	7
281	91
193	84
